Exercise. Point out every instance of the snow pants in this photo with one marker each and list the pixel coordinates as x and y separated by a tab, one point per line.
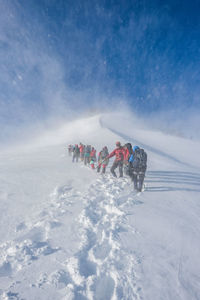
86	158
82	156
103	168
138	178
115	165
127	169
75	157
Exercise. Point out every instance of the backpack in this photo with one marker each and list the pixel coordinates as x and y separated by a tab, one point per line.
76	150
104	153
88	149
129	147
140	159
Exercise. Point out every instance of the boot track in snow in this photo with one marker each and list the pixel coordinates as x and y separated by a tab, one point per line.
102	268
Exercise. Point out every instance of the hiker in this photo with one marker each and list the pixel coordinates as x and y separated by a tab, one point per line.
138	166
76	153
70	149
102	161
93	154
119	154
128	152
87	155
92	163
81	149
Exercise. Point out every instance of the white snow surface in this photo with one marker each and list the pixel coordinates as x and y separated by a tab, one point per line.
69	233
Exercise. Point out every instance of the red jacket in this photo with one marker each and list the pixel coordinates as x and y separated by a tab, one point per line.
81	148
126	155
93	153
119	153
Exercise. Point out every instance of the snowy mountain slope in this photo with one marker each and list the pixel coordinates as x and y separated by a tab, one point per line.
29	173
177	149
69	233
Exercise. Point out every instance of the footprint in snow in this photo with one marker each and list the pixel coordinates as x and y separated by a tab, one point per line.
12	296
103	288
21	226
101	251
5	269
60	279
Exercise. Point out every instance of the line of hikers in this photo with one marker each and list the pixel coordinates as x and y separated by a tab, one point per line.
86	153
131	160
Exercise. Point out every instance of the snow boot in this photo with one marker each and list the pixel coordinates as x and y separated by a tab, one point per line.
103	170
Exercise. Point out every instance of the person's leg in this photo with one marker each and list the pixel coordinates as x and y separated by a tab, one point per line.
99	167
104	169
130	169
114	166
141	180
126	169
120	168
134	179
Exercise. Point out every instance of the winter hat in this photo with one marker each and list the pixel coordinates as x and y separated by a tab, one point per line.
118	144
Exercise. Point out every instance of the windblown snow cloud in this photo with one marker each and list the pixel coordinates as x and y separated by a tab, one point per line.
60	59
35	85
32	79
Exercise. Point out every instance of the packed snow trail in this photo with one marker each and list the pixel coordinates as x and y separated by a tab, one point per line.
102	268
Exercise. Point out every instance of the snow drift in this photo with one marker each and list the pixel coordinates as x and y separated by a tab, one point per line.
68	233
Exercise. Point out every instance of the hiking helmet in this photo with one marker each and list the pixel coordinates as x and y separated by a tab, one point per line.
118	144
135	147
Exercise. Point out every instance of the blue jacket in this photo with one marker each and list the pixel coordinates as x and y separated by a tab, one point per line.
131	159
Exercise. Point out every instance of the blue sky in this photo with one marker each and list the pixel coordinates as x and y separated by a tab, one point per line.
77	54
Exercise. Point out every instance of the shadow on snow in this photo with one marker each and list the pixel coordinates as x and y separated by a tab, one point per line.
172	181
